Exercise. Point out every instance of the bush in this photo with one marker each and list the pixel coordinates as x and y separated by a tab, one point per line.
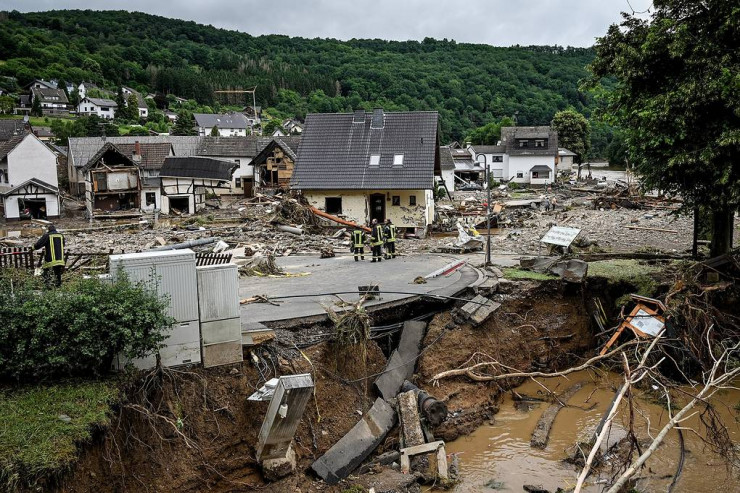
513	185
77	329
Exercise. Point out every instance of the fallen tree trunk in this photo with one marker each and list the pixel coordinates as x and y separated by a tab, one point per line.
338	220
542	431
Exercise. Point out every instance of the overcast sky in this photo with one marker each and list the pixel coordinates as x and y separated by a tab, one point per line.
495	22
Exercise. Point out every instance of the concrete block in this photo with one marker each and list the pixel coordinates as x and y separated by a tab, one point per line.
408	411
354	447
274	469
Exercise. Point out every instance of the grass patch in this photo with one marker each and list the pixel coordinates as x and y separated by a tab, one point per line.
34	442
641	276
38	121
513	273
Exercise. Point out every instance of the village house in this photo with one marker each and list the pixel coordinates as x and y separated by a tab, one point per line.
141	103
273	166
86	87
292	126
187	180
227	125
104	108
52	101
566	160
524	155
240	150
28	174
371	165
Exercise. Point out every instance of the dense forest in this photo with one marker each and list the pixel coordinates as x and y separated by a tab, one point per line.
470	85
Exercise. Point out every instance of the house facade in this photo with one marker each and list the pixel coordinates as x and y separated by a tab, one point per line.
371	165
140	102
52	101
104	108
273	166
187	180
28	177
227	125
566	160
239	150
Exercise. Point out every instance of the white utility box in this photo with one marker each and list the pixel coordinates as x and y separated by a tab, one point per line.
171	273
220	325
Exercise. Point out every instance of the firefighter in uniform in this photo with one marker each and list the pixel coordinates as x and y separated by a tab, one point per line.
390	239
53	244
376	241
358	243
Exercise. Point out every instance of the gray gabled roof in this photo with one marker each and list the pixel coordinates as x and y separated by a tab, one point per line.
229	120
11	127
82	149
102	102
198	167
335	151
509	136
445	158
489	149
50	95
248	146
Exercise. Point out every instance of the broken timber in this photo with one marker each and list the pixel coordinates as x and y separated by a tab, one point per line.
479	309
438	447
542	431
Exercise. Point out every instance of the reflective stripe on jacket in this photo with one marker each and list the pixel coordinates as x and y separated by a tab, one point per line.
54	254
358	238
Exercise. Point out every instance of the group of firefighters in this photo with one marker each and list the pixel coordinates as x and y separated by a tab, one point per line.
380	235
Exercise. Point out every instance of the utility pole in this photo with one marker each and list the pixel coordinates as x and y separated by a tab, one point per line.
243	91
488	209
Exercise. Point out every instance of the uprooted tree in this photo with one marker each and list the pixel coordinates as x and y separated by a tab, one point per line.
678	99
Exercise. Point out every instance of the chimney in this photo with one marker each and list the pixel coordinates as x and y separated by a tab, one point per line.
137	152
378	118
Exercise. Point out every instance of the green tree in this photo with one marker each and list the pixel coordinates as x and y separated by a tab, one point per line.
574	133
184	124
132	107
269	127
7	103
678	100
36	106
214	131
121	105
489	134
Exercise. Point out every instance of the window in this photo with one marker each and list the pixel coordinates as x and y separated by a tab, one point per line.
520	175
396	200
540	174
539	143
398	160
238	182
333	205
374	159
412	199
150	199
497	159
523	143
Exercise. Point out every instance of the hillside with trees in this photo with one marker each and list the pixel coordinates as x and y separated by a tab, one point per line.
470	85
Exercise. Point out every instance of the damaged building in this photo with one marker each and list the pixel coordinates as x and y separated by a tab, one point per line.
371	165
273	166
187	180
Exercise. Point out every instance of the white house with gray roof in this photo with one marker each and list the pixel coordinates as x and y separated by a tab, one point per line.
371	165
104	108
228	125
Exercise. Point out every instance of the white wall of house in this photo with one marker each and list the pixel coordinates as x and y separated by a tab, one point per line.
566	163
519	167
32	159
157	199
223	132
498	164
87	107
12	205
448	176
356	205
245	170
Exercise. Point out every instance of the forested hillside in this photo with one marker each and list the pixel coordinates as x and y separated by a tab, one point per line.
470	85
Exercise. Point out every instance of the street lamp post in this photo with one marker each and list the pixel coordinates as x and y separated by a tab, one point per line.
488	209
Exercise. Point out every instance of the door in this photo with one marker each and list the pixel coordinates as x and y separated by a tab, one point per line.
248	189
377	207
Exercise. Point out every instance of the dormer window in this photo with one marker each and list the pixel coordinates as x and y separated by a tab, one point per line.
398	160
523	143
374	159
539	143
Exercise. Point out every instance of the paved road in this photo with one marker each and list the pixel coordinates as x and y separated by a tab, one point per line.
344	274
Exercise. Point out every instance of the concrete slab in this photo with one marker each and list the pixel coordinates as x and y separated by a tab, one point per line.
401	364
354	447
343	274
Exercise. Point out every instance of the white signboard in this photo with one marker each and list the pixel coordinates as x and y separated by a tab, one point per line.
647	323
560	236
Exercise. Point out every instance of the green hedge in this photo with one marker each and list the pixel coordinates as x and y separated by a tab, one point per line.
74	330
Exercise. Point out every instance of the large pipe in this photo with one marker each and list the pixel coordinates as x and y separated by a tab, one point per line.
187	244
433	410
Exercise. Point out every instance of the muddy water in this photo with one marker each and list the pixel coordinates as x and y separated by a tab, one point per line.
500	452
